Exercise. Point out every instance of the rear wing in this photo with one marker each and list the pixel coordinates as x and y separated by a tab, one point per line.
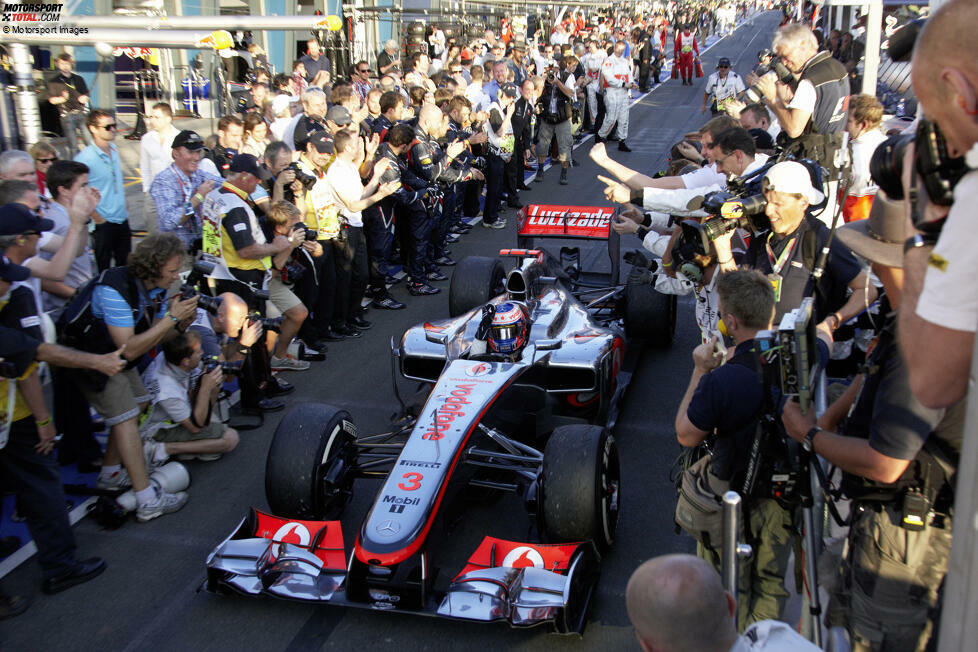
573	223
557	221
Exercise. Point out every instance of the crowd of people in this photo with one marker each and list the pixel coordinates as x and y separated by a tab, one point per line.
300	212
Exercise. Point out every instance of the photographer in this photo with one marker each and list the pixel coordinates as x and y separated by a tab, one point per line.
723	405
813	114
282	184
787	253
228	333
230	135
555	108
940	303
183	399
179	190
899	459
27	440
126	307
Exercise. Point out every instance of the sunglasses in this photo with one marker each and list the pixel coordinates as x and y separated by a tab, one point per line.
363	70
47	160
110	127
37	233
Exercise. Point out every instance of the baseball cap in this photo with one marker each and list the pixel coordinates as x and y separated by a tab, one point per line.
509	90
724	62
322	142
16	218
465	54
12	272
248	163
793	178
189	139
339	115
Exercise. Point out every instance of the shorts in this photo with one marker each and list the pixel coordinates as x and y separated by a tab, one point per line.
120	398
213	430
565	138
280	298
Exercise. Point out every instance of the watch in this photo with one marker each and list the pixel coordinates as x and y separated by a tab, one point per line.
808	442
918	240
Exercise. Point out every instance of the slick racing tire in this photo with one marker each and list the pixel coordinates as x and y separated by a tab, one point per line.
580	485
650	314
476	280
309	471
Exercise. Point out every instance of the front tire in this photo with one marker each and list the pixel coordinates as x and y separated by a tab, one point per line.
581	481
476	280
309	470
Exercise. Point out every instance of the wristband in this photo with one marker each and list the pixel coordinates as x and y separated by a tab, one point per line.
724	262
642	232
199	197
175	320
243	350
647	222
43	422
667	265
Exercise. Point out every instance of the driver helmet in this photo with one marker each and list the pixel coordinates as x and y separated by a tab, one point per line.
508	333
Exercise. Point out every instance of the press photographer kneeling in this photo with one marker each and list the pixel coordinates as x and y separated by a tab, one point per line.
723	406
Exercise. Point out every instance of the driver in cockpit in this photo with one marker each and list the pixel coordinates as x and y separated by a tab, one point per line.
504	330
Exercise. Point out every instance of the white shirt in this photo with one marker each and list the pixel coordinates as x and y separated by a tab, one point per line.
479	98
705	176
720	89
950	295
81	267
343	175
804	98
288	134
772	636
155	156
862	151
278	127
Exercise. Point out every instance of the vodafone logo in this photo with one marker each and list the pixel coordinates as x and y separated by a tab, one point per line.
523	557
292	533
480	369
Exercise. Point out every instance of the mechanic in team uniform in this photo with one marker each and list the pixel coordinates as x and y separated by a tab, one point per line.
617	81
427	161
391	112
899	459
721	87
595	98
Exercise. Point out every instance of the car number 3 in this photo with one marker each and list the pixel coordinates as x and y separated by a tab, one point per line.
413	481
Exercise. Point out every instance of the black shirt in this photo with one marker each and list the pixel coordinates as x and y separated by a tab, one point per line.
384	59
307	125
840	268
75	86
221	157
314	66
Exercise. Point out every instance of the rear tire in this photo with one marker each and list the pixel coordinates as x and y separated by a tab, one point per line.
580	485
309	470
476	280
650	314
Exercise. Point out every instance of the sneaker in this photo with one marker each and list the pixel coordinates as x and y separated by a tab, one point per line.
422	289
436	276
165	503
539	178
622	147
203	457
288	363
498	224
444	261
154	452
452	237
388	303
118	480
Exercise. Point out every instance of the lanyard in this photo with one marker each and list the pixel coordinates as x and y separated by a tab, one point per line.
778	264
184	189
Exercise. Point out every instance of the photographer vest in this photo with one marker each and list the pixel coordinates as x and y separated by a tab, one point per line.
932	471
556	106
216	244
823	135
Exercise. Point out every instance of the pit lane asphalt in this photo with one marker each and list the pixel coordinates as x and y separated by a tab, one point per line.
148	597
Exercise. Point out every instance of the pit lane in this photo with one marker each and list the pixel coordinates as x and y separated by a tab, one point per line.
148	598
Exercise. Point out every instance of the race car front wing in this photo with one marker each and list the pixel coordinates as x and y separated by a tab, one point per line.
524	584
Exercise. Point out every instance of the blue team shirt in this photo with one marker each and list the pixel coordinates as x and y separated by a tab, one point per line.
105	175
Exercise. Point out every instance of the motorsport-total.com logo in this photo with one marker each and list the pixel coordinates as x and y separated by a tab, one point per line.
35	18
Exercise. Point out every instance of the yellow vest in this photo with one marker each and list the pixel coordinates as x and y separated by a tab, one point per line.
216	243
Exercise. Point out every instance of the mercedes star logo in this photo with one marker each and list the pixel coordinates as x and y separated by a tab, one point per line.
389	528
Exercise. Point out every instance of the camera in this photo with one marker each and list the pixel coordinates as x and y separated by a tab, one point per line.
291	272
227	368
310	234
938	171
273	324
776	69
8	369
307	180
789	354
189	288
730	210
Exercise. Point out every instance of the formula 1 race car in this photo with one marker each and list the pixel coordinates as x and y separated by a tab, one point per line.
533	419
